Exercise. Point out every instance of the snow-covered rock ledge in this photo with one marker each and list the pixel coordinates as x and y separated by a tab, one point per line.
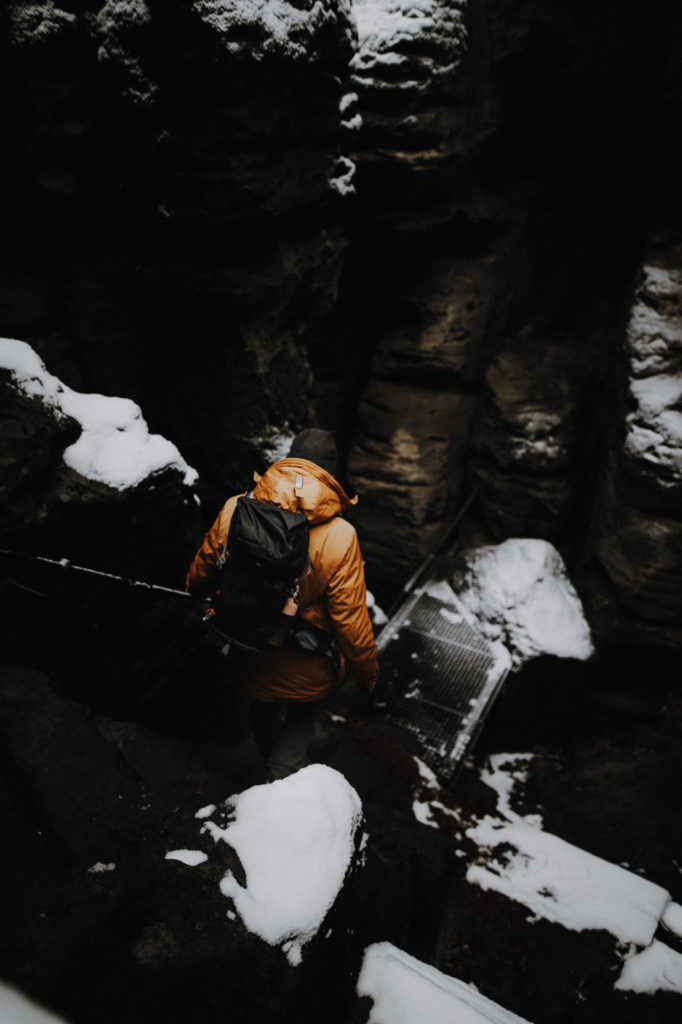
82	477
115	447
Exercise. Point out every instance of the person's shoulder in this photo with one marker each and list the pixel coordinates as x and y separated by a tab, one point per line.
227	511
343	528
339	533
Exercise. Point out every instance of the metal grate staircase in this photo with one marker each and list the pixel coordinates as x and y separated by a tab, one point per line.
441	678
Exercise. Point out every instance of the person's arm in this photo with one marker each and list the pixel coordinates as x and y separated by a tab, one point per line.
347	605
203	572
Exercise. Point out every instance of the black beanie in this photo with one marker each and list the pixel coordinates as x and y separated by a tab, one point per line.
316	446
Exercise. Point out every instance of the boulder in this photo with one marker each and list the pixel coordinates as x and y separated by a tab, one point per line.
519	594
83	478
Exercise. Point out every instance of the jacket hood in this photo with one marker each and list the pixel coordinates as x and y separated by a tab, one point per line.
302	486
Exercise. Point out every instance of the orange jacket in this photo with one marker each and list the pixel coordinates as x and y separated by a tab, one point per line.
332	595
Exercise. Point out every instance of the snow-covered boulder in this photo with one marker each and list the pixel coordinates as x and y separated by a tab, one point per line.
520	595
295	841
84	471
114	446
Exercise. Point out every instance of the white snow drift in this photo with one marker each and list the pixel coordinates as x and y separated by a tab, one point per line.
115	447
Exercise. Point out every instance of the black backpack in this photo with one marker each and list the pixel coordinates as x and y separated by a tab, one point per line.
265	555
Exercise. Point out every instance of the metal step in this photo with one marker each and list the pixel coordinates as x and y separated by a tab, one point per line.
441	678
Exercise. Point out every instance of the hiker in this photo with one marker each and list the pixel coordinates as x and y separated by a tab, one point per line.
286	686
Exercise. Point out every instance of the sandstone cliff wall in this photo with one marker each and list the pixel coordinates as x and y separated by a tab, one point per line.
419	225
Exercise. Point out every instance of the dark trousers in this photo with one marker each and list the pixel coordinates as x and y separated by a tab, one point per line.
283	732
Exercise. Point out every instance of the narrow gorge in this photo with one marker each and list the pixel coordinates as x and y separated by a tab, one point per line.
448	231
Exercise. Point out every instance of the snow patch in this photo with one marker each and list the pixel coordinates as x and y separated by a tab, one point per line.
377	614
406	991
189	857
348	100
441	591
423	808
504	783
115	447
656	969
99	868
295	839
564	884
205	812
342	177
519	594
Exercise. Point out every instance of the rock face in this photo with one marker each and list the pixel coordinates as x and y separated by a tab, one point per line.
414	224
443	286
639	535
523	447
499	265
405	489
178	167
